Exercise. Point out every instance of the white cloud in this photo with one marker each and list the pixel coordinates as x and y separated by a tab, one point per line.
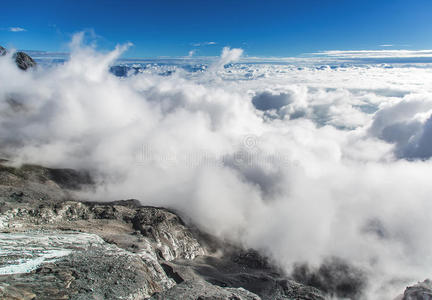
407	124
203	44
16	29
228	56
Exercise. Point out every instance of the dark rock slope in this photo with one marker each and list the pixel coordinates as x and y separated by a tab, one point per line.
420	291
55	247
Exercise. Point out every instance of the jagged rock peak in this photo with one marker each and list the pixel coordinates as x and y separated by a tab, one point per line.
2	51
420	291
22	60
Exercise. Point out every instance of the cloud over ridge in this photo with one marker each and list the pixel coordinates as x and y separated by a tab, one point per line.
297	162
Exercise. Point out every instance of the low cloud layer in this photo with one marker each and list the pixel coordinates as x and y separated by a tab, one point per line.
301	163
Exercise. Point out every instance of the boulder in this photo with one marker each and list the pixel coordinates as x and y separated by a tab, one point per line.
24	61
420	291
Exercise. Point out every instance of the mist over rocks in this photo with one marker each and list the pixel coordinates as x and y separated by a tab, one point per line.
335	277
56	247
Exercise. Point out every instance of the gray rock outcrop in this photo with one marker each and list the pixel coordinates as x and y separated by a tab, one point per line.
75	265
420	291
194	290
24	61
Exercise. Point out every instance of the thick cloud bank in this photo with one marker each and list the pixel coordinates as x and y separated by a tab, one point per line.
304	164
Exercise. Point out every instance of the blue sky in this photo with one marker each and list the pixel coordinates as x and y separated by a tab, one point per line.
261	28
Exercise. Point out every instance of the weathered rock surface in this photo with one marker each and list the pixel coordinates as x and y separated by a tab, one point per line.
53	265
243	269
32	198
202	290
24	61
420	291
112	250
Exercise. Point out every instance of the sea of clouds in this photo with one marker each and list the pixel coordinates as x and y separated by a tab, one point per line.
302	163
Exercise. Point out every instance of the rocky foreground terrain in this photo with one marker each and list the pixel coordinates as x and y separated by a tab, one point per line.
54	246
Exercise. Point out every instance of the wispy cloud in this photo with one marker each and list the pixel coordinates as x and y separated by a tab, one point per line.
16	29
203	44
374	53
386	45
